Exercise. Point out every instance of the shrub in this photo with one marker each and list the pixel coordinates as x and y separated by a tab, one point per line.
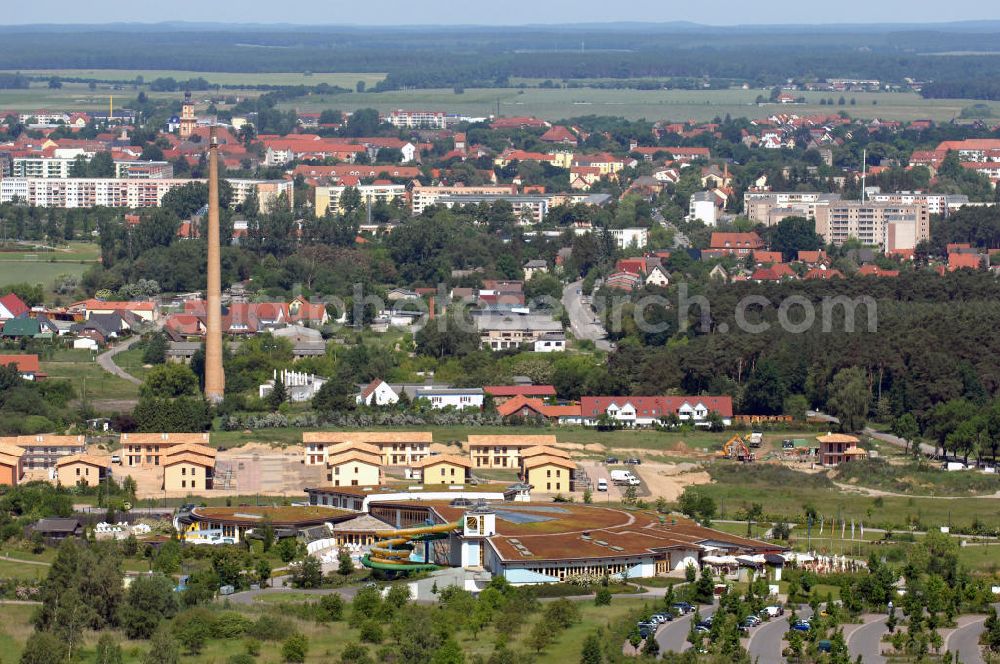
332	607
272	628
603	597
294	648
231	625
371	632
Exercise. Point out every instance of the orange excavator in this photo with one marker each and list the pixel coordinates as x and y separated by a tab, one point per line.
736	448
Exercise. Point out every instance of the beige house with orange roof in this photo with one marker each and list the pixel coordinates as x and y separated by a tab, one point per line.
148	449
837	448
397	448
550	474
504	451
187	467
83	470
43	450
444	469
11	469
354	468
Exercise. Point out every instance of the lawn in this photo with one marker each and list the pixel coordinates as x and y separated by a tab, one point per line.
38	266
15	627
88	378
13	570
784	493
131	361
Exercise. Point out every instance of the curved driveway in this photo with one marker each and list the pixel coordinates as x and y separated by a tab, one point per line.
964	639
865	640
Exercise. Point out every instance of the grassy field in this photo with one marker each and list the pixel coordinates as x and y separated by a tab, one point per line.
13	570
343	79
15	627
677	105
88	378
131	361
43	267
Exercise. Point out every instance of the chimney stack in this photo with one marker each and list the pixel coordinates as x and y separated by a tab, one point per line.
215	378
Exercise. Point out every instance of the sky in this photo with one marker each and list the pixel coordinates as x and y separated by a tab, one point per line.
504	12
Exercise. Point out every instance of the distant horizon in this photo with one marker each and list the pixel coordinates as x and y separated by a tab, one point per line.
511	13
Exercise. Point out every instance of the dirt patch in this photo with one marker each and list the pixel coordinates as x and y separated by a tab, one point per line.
668	480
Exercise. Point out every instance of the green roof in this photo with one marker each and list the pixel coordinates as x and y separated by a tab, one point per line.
21	327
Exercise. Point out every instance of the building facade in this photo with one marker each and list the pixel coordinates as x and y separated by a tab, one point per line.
888	226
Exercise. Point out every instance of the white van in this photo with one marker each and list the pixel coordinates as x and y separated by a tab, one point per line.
602	485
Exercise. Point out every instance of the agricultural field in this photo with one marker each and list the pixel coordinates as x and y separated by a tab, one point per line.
678	105
547	103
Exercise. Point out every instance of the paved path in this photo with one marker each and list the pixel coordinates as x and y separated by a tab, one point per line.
964	639
107	360
582	321
925	448
26	562
673	635
865	640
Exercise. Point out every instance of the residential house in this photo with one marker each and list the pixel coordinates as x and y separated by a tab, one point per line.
626	238
533	267
837	448
503	451
145	310
444	469
27	365
658	277
354	468
188	467
459	398
738	244
83	470
549	474
550	342
11	306
43	451
19	328
499	331
398	448
523	407
503	393
559	134
624	281
646	411
148	449
54	530
377	393
11	464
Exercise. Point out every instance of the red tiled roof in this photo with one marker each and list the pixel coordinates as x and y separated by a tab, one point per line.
823	275
958	261
25	363
736	241
871	270
656	406
524	390
12	303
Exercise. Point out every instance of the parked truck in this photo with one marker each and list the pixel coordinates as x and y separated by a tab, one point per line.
624	477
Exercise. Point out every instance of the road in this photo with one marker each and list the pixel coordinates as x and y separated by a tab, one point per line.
925	448
964	639
865	640
250	596
107	360
765	642
582	321
681	241
673	635
596	470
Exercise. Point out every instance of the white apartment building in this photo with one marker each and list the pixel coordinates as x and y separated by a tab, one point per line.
426	196
416	119
630	237
940	204
370	193
123	193
526	207
702	206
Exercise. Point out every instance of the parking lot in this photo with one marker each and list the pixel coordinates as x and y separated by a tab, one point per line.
765	641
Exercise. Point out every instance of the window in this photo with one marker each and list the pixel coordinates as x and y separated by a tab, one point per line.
548	472
548	486
77	472
184	470
183	484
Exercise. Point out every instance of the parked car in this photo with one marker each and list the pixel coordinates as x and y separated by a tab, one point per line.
773	611
801	626
824	646
682	607
611	461
752	620
663	617
602	485
633	460
702	629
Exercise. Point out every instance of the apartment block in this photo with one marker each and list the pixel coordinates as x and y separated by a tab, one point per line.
370	194
527	209
124	193
939	204
416	119
888	226
770	207
424	197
